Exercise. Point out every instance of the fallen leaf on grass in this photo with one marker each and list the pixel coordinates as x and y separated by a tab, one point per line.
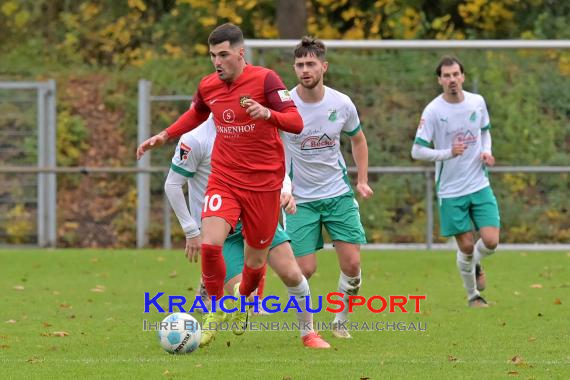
198	365
18	287
46	324
557	301
11	321
60	334
65	306
531	338
516	360
173	274
512	373
228	343
98	289
166	372
536	286
451	358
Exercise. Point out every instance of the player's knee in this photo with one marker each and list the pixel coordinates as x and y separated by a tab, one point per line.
466	248
351	268
291	276
491	243
308	271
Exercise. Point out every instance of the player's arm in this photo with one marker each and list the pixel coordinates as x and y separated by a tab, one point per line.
189	120
282	111
360	155
287	200
486	151
423	149
174	189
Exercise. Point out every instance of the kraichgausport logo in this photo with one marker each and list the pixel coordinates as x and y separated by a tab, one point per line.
274	304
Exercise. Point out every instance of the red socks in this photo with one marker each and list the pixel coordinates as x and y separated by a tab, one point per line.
213	270
251	279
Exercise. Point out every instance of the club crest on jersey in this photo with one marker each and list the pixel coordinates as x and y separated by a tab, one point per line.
184	150
284	95
332	115
473	117
243	99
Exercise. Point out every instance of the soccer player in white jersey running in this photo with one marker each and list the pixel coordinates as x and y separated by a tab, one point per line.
454	132
321	186
191	164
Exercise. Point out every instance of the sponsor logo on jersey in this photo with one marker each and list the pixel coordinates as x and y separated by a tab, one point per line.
316	142
284	95
243	99
229	116
184	150
465	138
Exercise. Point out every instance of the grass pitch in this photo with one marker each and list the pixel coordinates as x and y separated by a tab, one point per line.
79	314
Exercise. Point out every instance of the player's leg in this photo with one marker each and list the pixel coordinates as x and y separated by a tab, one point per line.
342	221
485	214
219	216
455	221
260	215
305	230
283	263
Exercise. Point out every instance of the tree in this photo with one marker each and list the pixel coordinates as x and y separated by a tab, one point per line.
291	19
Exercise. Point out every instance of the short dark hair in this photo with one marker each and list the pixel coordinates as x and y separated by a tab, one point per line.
310	46
226	32
448	61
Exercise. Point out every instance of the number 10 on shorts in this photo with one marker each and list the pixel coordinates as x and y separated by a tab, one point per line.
212	203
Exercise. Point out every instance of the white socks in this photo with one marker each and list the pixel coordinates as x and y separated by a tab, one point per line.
480	251
349	286
466	266
300	292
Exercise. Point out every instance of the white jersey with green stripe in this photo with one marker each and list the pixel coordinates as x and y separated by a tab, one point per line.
313	158
443	124
192	159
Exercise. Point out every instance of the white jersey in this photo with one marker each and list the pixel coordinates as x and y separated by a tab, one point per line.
444	123
192	160
313	158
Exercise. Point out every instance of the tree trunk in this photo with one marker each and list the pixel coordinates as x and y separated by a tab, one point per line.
291	18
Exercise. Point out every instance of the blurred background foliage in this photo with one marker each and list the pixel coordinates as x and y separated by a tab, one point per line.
98	50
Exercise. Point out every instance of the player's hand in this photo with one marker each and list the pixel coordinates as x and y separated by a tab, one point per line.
256	110
488	159
153	142
457	149
193	248
364	190
288	203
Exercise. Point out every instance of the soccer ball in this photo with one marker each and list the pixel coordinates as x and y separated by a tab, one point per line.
179	333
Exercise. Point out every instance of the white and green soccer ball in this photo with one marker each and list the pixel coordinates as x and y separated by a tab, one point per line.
179	333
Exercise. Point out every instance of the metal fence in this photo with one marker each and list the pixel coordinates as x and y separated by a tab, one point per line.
20	149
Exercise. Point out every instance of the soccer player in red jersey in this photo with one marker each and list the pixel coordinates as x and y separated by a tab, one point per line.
249	104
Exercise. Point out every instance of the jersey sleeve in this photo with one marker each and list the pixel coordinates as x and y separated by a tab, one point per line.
485	119
276	93
424	133
187	156
352	125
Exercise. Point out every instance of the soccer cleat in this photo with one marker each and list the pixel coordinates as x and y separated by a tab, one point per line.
480	277
340	331
210	326
239	319
203	294
478	302
314	340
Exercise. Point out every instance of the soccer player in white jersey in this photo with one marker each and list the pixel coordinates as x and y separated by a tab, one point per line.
454	132
191	164
318	173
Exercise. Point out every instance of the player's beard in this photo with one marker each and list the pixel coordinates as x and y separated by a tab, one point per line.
312	84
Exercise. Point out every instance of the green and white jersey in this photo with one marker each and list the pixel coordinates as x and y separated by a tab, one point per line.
192	159
444	123
313	158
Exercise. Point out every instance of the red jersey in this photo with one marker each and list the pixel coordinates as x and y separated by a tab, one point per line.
248	153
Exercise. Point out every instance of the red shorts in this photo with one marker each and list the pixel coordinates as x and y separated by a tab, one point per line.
258	210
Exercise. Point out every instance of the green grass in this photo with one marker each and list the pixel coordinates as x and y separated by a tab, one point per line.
49	291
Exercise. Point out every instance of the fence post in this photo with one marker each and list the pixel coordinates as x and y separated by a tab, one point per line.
51	181
429	209
42	177
143	179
